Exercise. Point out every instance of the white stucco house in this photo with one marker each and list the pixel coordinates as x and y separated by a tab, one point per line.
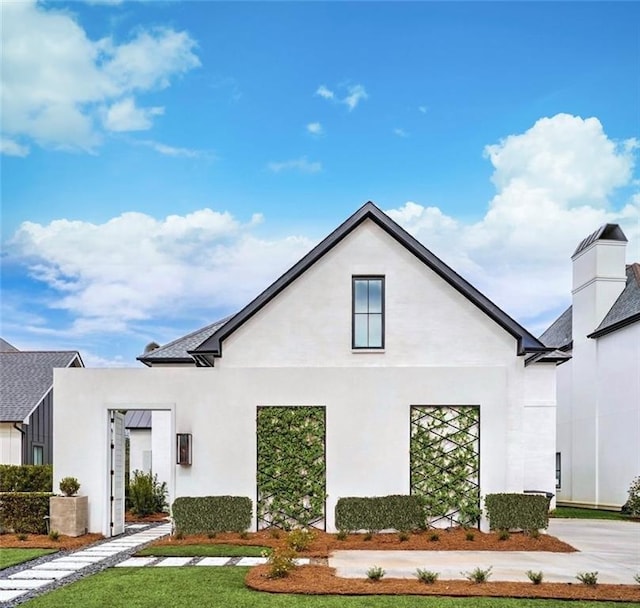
598	390
370	360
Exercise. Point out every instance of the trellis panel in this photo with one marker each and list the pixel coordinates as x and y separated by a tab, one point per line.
291	467
445	462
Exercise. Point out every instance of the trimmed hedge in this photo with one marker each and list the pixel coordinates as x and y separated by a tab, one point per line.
517	511
396	512
202	514
26	478
24	511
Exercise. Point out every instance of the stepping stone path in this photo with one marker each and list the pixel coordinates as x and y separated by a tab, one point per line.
53	572
85	561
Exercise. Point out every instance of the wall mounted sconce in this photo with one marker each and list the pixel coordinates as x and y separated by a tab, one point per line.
183	448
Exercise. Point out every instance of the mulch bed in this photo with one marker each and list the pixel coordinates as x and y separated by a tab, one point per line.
321	580
42	541
130	518
453	539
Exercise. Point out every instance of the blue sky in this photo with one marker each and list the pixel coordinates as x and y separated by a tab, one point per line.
163	162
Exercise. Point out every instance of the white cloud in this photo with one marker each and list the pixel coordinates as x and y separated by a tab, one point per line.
299	164
167	150
11	147
357	93
315	128
324	92
400	133
111	276
353	95
125	116
554	186
56	81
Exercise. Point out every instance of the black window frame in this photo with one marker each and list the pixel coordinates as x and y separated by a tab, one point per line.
39	447
382	312
558	470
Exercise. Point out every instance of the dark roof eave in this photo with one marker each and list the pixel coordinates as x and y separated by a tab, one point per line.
526	342
615	326
148	361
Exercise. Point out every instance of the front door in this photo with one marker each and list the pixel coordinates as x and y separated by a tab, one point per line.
116	474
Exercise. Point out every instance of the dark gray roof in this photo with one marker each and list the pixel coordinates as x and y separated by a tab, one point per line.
607	232
211	347
26	377
559	334
626	309
177	351
6	347
138	419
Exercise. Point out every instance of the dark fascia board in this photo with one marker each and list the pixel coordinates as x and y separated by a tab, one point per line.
615	326
152	362
527	343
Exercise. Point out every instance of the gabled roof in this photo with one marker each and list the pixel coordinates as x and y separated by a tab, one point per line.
606	232
626	309
178	350
212	346
6	347
559	334
137	419
26	377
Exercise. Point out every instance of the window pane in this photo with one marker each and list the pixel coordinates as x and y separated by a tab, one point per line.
375	295
360	296
360	331
38	454
375	331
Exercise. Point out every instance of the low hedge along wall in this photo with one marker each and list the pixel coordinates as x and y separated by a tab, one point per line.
24	512
517	511
26	478
203	514
395	512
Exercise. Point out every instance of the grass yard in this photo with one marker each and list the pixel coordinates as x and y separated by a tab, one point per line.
11	557
224	588
203	551
578	513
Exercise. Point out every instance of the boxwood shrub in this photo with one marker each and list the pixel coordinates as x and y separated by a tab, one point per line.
517	511
26	478
396	512
24	511
202	514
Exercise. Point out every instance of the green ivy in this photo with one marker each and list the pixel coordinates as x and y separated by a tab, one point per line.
445	462
291	467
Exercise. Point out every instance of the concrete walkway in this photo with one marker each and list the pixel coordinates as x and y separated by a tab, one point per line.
611	548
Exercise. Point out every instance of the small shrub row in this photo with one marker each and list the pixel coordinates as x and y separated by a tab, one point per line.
517	511
26	478
203	514
396	512
24	512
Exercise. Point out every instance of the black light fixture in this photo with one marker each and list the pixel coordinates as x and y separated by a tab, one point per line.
183	448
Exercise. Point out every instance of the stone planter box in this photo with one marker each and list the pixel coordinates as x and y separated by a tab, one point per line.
69	515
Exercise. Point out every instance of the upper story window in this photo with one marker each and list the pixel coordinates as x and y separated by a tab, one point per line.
368	312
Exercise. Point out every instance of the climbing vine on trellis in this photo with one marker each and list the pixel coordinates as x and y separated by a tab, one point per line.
445	462
291	467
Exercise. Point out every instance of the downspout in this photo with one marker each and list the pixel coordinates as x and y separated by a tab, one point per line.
17	428
23	433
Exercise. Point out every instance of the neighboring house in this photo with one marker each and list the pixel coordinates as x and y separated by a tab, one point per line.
598	391
369	368
26	402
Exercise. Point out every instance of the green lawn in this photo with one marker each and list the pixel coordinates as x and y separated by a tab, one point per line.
11	557
203	551
577	513
224	588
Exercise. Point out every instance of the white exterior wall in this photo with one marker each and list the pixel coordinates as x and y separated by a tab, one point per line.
140	450
10	444
161	440
564	440
439	350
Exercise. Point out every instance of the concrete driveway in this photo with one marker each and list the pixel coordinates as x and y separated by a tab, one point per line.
611	548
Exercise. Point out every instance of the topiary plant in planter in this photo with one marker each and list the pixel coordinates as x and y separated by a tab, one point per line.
69	486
